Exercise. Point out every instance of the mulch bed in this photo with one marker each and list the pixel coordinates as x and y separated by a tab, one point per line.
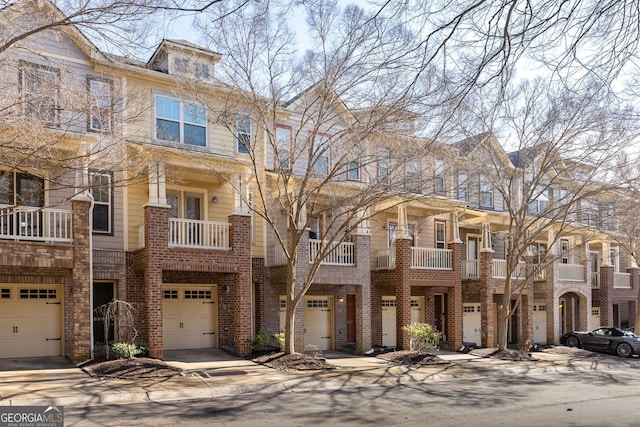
139	367
411	358
293	362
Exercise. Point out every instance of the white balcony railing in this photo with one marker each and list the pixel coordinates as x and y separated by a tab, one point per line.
622	280
500	269
571	272
431	258
191	233
386	259
340	253
36	224
539	272
471	269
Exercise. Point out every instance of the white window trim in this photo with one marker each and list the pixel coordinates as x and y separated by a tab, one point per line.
181	121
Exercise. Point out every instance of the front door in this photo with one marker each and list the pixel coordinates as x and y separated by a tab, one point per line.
103	293
440	314
351	318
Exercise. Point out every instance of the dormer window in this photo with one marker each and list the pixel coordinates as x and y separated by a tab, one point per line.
187	67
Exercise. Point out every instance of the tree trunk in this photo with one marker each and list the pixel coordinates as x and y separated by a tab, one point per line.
291	304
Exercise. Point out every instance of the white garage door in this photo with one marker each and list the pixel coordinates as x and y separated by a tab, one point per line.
389	317
317	323
540	323
595	317
30	320
471	324
189	316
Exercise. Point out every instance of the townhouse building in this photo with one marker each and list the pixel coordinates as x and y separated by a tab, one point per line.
144	181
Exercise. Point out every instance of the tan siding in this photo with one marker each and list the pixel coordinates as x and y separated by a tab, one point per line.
138	197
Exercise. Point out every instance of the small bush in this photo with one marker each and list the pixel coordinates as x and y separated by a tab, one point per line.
123	349
280	338
423	336
260	340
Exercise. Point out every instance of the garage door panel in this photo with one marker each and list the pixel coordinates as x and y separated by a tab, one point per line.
472	323
317	323
189	316
30	320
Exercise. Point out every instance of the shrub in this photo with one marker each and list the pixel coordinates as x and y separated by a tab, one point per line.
128	350
280	338
260	340
423	336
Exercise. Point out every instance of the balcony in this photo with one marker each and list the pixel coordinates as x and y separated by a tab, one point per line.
197	234
499	267
431	258
36	224
470	269
622	280
421	259
571	272
340	253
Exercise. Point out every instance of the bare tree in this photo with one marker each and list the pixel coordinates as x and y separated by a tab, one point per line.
564	148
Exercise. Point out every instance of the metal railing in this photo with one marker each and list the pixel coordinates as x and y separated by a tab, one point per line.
36	224
622	280
431	258
470	269
340	253
571	272
386	259
191	233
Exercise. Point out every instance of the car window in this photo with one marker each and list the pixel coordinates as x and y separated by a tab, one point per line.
617	333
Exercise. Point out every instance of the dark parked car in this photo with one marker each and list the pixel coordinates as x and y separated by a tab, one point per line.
622	342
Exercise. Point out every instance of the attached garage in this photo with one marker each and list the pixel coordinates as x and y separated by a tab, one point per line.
595	317
189	316
30	320
471	324
389	317
540	323
318	322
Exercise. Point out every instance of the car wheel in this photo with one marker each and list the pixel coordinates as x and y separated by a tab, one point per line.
624	350
572	341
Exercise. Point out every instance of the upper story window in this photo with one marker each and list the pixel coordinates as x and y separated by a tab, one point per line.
180	121
39	89
320	155
243	133
412	175
101	190
588	213
486	192
540	202
441	235
283	147
439	186
353	170
101	107
185	66
383	166
463	186
564	251
21	189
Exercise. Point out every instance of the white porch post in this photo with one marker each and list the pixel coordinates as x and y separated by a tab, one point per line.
487	246
403	226
157	183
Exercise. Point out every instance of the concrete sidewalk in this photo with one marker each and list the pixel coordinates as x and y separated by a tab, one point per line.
215	373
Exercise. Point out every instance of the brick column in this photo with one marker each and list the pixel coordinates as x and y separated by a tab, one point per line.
156	236
363	293
78	342
376	315
454	300
486	300
635	285
403	292
606	289
240	242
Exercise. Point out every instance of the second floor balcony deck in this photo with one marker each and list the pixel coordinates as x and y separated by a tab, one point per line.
421	258
194	234
341	254
35	224
471	269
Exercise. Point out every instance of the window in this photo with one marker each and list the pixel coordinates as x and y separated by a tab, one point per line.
383	166
100	108
539	251
486	192
180	121
185	66
320	155
439	177
564	256
440	235
243	133
316	227
540	202
102	193
614	259
21	189
283	147
588	213
353	171
463	185
412	175
39	88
